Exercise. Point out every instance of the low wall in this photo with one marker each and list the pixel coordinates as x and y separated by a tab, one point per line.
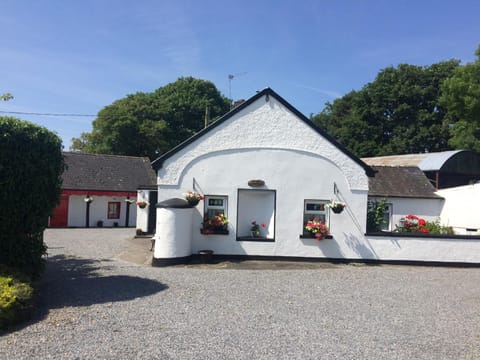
427	248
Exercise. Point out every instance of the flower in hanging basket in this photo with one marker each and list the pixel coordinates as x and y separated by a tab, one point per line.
142	204
336	206
318	228
193	198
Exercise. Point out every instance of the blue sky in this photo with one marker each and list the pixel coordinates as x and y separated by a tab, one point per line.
79	56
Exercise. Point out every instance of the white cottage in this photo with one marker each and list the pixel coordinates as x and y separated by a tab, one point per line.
262	162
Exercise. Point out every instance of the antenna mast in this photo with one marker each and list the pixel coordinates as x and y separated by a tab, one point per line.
230	78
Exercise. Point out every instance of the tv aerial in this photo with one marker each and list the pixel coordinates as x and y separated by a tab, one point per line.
230	78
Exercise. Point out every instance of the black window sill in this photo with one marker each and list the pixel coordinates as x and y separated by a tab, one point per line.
255	238
214	232
312	236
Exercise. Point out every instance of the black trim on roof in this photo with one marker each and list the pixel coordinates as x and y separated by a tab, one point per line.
157	163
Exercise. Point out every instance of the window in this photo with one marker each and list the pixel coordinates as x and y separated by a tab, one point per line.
256	206
215	205
113	210
314	209
387	216
215	219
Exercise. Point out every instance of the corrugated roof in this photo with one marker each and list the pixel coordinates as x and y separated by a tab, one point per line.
106	172
400	181
425	161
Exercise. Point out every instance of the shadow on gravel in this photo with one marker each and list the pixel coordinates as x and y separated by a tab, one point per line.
71	281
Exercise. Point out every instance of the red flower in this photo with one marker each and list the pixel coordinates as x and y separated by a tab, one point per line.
263	225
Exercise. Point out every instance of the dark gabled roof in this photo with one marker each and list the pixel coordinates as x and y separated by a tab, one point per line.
106	172
400	181
157	163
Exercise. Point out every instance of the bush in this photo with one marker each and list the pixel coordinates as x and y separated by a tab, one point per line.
415	224
376	215
16	296
434	227
31	164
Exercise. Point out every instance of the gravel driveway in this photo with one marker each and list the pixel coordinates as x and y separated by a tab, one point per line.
96	305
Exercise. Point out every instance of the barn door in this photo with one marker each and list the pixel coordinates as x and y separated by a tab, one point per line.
60	213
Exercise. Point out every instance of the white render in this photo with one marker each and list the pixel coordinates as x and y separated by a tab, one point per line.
173	237
428	209
98	211
412	248
462	209
267	141
142	214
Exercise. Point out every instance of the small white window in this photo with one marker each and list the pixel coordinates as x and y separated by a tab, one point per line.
215	205
314	210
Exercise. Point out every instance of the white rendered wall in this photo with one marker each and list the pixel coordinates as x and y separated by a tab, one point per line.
173	238
266	141
142	214
462	208
428	209
98	211
466	250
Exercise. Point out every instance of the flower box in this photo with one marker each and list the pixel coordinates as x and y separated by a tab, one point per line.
312	236
214	231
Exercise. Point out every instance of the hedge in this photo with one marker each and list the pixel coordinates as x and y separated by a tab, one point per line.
31	164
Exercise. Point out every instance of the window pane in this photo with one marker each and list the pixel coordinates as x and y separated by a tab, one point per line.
113	210
215	202
315	207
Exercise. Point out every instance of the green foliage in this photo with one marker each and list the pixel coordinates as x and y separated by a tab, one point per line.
31	164
434	227
15	297
376	215
461	98
398	113
149	124
6	97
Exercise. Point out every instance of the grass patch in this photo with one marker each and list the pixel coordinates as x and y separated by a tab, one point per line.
16	297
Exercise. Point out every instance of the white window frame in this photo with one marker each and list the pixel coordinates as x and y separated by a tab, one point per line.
325	213
218	209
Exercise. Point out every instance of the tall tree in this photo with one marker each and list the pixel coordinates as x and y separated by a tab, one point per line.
397	113
148	124
461	98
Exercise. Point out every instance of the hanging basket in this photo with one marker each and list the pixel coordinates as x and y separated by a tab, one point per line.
338	210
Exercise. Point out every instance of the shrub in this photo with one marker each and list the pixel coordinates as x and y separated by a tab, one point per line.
434	227
31	164
15	297
376	215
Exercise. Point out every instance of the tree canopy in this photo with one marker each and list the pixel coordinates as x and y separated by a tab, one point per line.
461	98
399	112
149	124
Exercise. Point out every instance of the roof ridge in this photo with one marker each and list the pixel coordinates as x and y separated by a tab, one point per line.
106	155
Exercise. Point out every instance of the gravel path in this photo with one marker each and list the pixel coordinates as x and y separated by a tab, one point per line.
96	306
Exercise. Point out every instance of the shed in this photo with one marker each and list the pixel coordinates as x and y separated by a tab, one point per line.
444	169
101	190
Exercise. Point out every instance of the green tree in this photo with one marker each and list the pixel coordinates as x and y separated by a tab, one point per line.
6	97
398	113
31	165
461	98
148	124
